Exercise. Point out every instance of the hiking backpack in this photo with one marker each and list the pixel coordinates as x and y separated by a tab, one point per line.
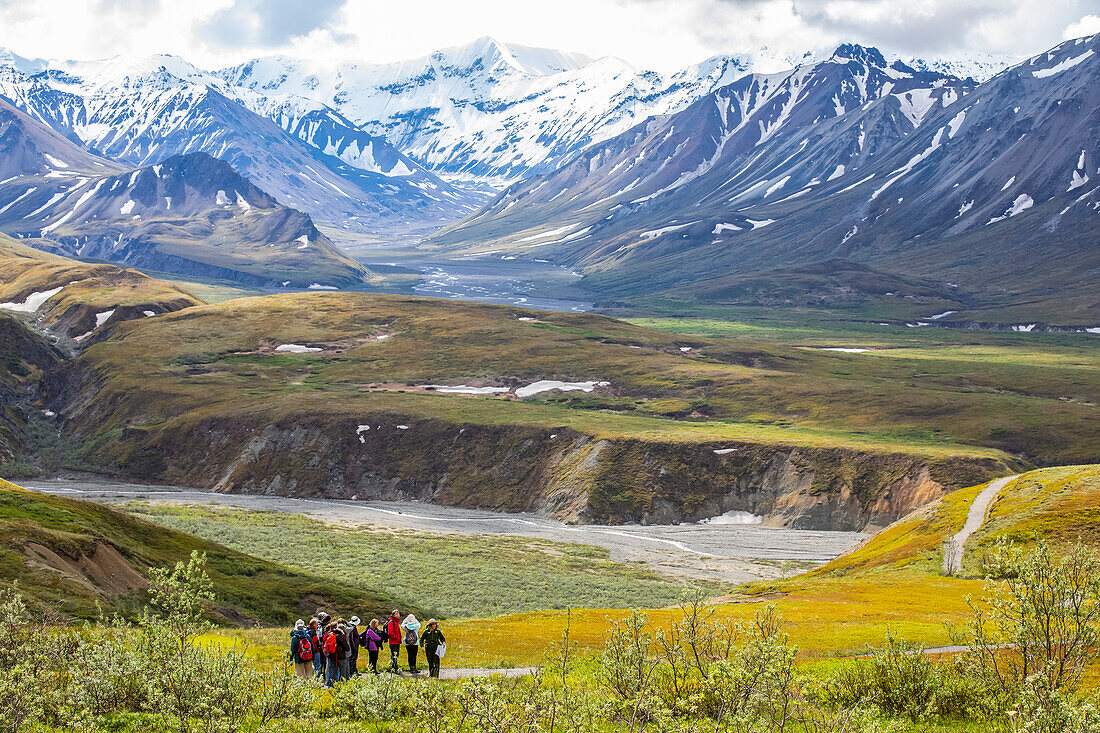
410	636
305	649
330	642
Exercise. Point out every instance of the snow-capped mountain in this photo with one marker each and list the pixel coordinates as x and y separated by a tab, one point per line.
765	136
975	65
190	214
482	111
28	148
143	111
489	110
852	157
496	111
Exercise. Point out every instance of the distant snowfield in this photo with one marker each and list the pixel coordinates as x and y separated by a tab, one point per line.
464	389
733	516
33	302
1059	68
547	385
298	349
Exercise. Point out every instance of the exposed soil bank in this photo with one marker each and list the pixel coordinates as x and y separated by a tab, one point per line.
558	473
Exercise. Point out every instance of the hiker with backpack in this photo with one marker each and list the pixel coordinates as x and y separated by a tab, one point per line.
314	630
301	650
371	638
344	652
335	645
323	620
434	646
411	627
393	638
353	646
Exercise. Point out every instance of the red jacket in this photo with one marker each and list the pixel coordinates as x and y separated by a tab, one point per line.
393	630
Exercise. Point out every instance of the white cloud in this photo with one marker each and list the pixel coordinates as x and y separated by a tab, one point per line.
659	34
1086	26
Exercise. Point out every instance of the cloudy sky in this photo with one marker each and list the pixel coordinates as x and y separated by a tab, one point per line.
655	34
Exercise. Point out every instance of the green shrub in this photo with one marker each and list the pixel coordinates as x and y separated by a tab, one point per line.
1042	626
374	698
901	680
1002	561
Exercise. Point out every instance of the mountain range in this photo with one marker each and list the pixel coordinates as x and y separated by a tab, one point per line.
718	179
190	214
496	112
855	157
142	111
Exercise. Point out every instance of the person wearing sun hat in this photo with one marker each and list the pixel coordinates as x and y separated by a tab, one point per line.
434	643
353	644
412	640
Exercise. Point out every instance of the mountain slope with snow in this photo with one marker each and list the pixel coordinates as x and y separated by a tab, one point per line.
191	214
853	157
496	111
143	111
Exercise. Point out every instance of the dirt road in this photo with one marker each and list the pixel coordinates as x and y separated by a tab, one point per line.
953	555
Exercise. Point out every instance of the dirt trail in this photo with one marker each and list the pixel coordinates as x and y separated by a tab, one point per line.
461	674
953	555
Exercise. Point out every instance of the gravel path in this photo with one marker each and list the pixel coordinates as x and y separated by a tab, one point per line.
732	553
953	556
461	674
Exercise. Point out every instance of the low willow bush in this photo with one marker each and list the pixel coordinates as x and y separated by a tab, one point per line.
901	680
1026	651
80	678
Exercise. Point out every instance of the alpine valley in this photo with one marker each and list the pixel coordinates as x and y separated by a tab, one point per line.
512	336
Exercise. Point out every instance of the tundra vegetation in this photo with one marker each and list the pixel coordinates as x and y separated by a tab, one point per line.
1025	650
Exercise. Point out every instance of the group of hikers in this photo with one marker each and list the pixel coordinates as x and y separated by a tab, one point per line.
329	648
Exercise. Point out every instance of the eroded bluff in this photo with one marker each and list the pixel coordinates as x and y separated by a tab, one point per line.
554	472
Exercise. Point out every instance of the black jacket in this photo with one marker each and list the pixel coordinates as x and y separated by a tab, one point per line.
432	639
353	642
342	646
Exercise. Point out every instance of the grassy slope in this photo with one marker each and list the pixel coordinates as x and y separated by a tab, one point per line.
732	390
892	582
1061	505
25	358
98	287
448	575
248	589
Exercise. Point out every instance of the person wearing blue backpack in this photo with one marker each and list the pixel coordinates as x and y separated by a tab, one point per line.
411	628
301	650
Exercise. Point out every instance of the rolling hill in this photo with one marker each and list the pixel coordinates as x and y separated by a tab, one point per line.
341	394
73	299
82	559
